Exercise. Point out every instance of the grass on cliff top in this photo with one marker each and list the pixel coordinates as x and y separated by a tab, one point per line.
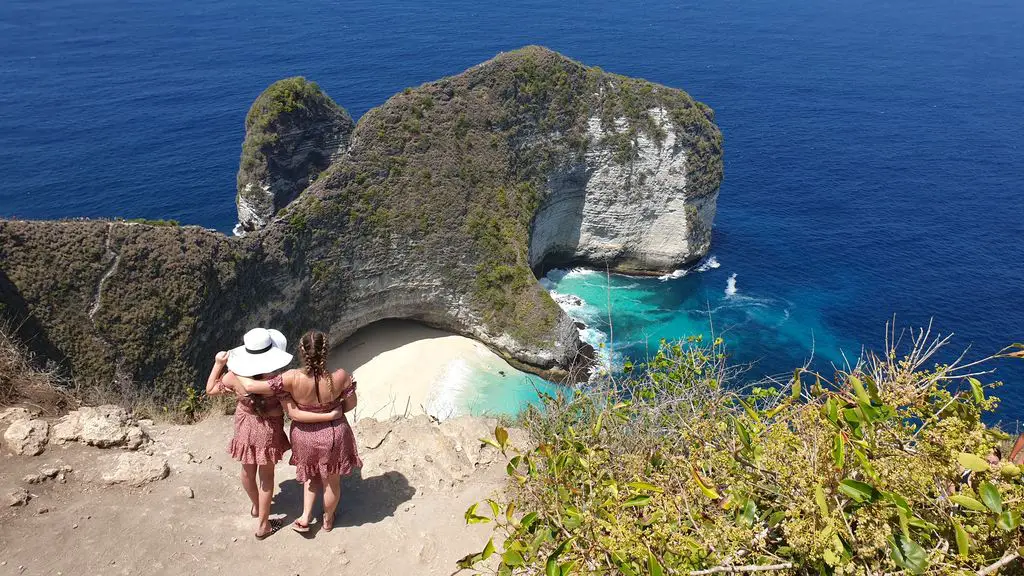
281	103
127	302
24	381
458	168
679	468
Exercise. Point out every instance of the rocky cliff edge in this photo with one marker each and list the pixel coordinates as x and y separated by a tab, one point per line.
441	206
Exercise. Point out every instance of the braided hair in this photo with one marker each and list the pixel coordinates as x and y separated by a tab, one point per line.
313	348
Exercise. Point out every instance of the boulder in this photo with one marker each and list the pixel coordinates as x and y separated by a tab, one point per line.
13	414
134	468
27	437
18	497
101	426
134	438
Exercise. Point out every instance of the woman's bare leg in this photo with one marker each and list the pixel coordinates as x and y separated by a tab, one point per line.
332	495
248	478
266	494
311	488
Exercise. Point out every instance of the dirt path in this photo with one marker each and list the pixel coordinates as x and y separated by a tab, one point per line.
402	515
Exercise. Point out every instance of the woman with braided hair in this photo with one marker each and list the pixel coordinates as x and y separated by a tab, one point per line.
259	441
321	452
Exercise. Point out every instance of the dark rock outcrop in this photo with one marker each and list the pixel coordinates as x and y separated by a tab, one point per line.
293	131
446	202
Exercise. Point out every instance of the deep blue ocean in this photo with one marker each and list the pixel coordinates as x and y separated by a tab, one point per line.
874	149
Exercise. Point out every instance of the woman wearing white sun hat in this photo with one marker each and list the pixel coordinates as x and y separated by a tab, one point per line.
259	441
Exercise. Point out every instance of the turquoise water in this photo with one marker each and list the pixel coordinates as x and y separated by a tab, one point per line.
493	394
485	385
626	317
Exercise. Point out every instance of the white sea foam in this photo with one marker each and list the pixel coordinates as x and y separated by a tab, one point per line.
708	263
444	402
730	285
567	301
704	265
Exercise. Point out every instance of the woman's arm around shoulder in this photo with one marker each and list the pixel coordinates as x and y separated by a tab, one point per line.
347	384
264	387
307	417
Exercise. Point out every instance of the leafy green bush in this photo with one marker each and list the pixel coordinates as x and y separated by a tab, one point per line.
673	470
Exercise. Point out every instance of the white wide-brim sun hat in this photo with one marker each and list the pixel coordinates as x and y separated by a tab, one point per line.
262	352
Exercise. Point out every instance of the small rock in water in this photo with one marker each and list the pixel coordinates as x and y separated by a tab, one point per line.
65	469
74	526
61	478
42	510
186	492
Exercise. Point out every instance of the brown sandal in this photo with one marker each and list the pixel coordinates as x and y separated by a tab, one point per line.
300	527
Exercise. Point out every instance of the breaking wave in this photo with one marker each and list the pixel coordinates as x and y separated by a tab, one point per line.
709	263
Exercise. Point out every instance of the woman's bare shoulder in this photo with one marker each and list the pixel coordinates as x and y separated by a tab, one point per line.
342	378
292	376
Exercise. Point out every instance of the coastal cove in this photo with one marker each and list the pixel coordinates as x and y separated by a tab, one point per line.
872	165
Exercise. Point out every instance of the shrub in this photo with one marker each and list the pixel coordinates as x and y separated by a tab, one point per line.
673	470
22	380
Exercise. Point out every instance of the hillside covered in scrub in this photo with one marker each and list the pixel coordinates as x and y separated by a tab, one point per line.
439	206
883	467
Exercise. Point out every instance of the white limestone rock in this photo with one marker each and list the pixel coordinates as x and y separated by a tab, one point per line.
638	216
133	468
27	437
101	426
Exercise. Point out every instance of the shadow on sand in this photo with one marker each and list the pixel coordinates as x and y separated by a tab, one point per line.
363	500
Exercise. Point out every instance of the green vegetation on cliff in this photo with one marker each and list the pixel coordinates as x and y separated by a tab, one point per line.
880	469
273	108
124	301
457	169
424	211
291	131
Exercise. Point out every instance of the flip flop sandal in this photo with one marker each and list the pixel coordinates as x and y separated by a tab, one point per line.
275	525
300	527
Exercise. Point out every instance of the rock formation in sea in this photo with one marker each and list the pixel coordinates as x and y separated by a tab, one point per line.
441	208
293	131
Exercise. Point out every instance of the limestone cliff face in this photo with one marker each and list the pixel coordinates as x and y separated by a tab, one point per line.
636	214
292	133
445	202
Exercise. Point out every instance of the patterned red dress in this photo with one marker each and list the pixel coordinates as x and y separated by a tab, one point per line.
326	448
259	439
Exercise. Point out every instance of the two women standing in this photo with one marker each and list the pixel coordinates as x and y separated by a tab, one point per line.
322	443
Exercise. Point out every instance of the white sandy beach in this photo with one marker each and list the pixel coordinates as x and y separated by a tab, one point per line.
406	368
